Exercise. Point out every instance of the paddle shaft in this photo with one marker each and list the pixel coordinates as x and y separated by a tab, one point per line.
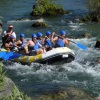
79	45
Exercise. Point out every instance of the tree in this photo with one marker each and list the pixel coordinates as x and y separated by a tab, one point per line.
94	9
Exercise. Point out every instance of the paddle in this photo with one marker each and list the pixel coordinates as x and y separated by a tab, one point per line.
9	55
77	44
6	57
2	54
14	56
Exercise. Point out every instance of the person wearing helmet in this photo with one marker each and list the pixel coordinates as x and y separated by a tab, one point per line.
21	42
33	46
40	39
60	40
9	44
12	43
48	42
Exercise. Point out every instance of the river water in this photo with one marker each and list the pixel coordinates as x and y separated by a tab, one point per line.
83	72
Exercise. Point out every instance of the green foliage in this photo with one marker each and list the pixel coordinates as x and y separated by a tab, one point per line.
16	95
2	76
86	18
47	7
94	9
94	6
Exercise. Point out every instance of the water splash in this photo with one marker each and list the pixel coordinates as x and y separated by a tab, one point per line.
75	26
25	20
83	72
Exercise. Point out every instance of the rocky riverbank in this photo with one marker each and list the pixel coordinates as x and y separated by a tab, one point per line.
8	90
70	93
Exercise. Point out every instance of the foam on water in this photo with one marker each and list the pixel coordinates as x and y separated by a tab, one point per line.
83	72
82	62
75	26
25	20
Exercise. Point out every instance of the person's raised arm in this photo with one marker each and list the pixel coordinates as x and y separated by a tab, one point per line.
67	42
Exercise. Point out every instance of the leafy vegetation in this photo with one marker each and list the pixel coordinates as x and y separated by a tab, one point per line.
94	6
2	77
94	11
47	7
16	95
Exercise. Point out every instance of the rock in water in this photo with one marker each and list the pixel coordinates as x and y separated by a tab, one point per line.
97	45
0	27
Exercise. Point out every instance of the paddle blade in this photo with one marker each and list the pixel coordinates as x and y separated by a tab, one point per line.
2	54
6	57
81	46
14	56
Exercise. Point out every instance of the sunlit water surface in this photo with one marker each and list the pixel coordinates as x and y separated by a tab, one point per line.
83	72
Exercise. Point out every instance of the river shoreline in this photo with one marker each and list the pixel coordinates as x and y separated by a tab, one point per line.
83	72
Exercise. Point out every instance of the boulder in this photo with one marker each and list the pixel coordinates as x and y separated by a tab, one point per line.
86	35
97	45
39	24
10	92
47	8
70	93
1	28
7	88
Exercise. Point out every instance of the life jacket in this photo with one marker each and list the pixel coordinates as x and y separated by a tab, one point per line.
23	43
40	41
60	43
36	46
48	43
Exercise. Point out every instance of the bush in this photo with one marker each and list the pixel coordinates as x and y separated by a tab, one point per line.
47	7
16	95
94	11
94	6
2	76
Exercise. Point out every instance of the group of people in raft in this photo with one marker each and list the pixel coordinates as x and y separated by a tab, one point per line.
36	45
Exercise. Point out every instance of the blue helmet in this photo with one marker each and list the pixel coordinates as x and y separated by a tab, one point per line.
48	33
34	36
22	35
39	34
62	32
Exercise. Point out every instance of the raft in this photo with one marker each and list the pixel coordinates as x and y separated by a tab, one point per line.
56	55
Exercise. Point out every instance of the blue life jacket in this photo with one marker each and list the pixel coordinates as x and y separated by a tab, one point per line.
48	43
40	41
23	43
36	46
60	43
